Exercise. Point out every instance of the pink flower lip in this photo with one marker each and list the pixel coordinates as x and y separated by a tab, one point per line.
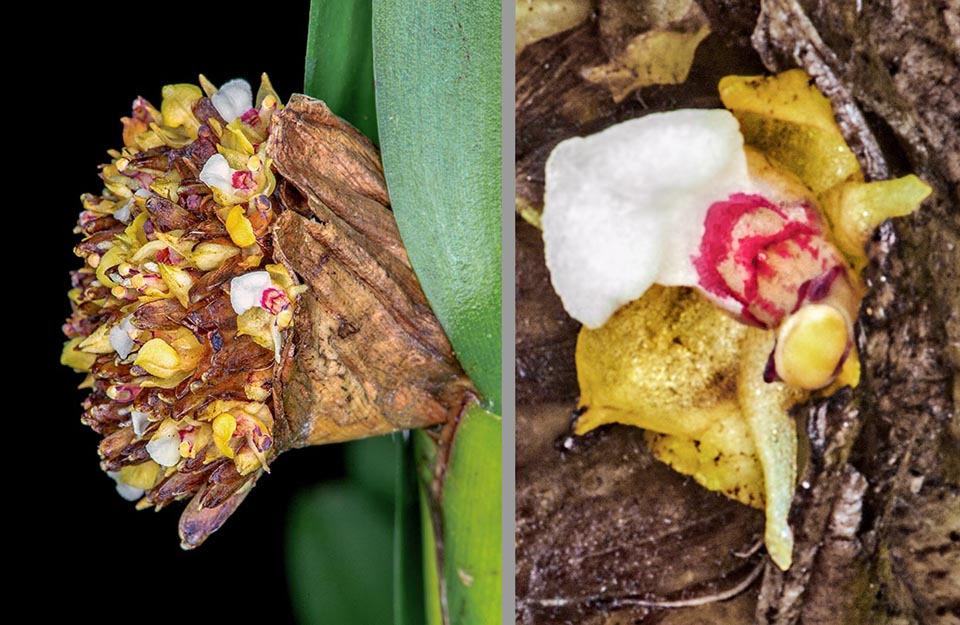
761	261
274	300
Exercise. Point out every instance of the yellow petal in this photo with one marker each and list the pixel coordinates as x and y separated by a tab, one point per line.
209	256
178	281
280	276
659	57
787	118
539	19
234	139
177	107
239	227
855	209
247	461
722	459
98	342
257	323
223	428
158	358
77	360
266	90
789	96
134	234
666	362
113	257
143	475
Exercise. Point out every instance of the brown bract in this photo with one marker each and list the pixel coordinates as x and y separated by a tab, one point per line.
367	355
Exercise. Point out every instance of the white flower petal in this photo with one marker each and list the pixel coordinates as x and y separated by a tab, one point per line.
140	421
217	174
130	493
164	447
233	99
122	214
624	208
247	290
120	339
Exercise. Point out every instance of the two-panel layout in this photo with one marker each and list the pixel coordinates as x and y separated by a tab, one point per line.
733	230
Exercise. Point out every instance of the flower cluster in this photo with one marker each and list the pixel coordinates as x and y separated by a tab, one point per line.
178	314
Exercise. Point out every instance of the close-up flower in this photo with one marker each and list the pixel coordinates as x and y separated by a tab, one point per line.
683	199
736	277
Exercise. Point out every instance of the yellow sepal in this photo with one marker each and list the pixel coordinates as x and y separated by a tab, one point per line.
177	107
239	227
74	358
157	358
223	428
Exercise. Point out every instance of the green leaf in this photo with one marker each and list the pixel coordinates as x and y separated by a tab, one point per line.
431	569
339	64
407	556
372	464
437	71
425	456
471	521
338	553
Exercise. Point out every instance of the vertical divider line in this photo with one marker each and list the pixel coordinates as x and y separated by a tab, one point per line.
509	314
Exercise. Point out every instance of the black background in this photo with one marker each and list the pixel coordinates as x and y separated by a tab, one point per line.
92	554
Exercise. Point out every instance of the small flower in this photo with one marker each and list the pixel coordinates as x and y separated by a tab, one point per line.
768	226
130	493
122	337
234	99
140	422
247	291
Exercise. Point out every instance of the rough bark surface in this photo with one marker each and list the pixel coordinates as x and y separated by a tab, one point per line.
877	510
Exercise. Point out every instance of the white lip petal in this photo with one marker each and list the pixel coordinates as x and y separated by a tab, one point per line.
122	214
130	493
164	448
247	290
233	99
120	339
217	174
624	208
140	421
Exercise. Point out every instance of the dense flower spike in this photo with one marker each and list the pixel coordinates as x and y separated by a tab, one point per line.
178	311
245	292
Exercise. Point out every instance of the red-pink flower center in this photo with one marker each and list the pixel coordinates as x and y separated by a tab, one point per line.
764	257
274	300
251	117
243	180
169	256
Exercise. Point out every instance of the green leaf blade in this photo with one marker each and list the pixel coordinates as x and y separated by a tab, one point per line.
339	544
408	595
437	70
339	63
471	532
